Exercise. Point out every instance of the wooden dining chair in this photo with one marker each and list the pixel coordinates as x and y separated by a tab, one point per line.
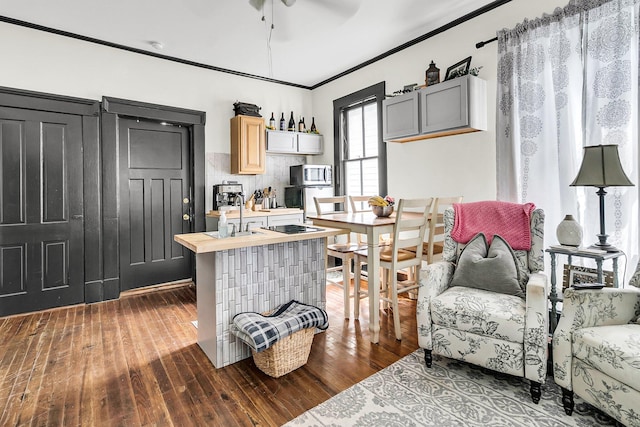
360	203
435	240
434	243
411	224
342	251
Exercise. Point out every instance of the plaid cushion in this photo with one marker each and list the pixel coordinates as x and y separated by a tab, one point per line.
261	332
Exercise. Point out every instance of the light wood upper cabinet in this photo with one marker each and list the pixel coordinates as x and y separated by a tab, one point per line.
248	149
448	108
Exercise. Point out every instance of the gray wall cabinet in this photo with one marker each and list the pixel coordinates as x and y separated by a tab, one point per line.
401	116
448	108
293	142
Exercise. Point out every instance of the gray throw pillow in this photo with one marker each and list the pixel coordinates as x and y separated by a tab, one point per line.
492	268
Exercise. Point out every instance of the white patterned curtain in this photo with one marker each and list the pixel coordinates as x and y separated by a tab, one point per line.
566	81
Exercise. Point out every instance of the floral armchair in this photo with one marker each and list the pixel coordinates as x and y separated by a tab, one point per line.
505	333
596	350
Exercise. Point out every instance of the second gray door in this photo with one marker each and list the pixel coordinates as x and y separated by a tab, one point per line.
155	202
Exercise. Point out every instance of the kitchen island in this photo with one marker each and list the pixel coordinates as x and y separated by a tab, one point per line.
256	273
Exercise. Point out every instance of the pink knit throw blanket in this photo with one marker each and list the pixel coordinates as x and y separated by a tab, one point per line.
509	220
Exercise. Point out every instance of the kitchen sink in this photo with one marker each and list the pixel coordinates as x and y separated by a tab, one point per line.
246	233
215	234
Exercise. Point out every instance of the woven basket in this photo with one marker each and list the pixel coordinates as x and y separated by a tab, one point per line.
287	354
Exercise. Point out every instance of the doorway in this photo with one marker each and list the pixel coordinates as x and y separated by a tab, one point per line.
155	202
153	188
60	210
41	210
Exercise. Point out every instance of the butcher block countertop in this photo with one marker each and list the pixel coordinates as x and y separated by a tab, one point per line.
248	213
202	242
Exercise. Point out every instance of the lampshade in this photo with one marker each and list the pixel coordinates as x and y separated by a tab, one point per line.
601	168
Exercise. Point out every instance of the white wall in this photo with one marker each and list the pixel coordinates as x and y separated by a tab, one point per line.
463	164
38	61
454	165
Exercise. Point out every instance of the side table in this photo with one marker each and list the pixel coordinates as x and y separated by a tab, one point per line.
570	253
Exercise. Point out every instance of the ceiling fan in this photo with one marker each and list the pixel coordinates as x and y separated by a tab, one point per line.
307	17
259	4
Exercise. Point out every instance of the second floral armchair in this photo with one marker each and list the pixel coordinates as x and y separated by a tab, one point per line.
596	350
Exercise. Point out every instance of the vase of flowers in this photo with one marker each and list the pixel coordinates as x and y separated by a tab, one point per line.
382	206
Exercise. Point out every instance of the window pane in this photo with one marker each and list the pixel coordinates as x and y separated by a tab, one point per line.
370	176
353	172
371	130
354	126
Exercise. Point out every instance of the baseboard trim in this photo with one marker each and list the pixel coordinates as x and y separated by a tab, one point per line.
159	287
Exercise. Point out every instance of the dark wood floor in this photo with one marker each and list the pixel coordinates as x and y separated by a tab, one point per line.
135	361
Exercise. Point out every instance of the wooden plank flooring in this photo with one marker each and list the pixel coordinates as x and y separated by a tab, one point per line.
135	362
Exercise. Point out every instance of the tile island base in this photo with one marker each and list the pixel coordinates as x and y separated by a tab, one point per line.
256	277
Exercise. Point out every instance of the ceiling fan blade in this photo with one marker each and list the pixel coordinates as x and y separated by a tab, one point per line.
257	4
346	8
288	3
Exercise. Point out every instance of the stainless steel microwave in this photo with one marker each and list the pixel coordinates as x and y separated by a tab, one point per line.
310	175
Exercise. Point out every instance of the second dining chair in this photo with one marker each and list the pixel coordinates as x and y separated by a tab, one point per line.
433	247
409	229
342	251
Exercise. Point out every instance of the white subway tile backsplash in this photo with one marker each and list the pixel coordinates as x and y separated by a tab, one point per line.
276	176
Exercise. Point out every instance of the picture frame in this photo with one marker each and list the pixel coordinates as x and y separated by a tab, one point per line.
458	69
573	274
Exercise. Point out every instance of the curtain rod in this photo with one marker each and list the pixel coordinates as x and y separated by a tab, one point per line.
481	44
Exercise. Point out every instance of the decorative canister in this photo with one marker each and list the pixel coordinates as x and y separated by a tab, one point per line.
569	232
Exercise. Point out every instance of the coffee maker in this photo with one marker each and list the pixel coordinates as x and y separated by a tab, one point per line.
225	194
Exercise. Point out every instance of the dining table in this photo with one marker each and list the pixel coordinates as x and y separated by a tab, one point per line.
366	223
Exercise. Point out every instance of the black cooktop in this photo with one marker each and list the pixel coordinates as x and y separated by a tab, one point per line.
292	229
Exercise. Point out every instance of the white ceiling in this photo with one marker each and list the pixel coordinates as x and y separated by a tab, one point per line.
312	41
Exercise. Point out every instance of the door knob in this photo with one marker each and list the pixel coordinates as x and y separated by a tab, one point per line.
185	200
185	217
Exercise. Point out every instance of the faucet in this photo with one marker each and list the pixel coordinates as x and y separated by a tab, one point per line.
241	196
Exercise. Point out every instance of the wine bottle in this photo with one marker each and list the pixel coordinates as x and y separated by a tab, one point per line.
272	122
301	125
282	122
292	123
313	125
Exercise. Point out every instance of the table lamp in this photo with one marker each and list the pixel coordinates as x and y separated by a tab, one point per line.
601	168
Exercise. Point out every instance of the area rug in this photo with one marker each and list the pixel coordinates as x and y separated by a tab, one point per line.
450	393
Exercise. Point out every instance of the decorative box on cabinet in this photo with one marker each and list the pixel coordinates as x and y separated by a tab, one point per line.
248	149
293	142
448	108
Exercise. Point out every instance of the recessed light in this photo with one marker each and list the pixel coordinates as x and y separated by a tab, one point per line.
157	45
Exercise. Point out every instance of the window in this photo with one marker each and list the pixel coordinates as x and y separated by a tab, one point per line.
360	153
360	160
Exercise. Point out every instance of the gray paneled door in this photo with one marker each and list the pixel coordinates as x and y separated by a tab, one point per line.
41	223
155	202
